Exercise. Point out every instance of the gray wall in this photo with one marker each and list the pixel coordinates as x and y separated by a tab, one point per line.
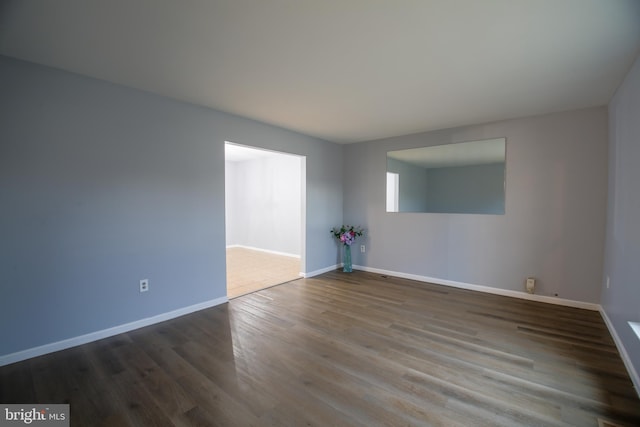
621	301
263	209
553	229
468	189
412	183
102	186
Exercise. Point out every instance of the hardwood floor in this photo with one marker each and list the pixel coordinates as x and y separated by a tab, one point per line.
250	270
347	350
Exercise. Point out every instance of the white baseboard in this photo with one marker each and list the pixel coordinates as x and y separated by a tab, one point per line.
8	359
623	351
321	271
264	250
486	289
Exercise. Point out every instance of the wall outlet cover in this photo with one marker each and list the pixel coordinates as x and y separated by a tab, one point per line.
531	284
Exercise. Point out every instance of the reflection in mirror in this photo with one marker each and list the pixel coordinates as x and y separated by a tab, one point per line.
467	177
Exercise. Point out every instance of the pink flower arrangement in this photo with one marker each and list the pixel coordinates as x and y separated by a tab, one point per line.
347	234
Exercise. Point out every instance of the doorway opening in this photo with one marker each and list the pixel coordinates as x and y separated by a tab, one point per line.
264	218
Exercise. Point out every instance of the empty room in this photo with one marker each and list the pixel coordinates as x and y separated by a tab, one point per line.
454	183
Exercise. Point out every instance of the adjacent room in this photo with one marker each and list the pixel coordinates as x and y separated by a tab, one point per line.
285	212
264	196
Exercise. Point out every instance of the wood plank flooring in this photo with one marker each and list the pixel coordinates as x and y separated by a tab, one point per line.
342	349
250	270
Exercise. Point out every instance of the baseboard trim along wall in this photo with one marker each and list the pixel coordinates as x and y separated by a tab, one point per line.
105	333
486	289
623	352
264	250
321	271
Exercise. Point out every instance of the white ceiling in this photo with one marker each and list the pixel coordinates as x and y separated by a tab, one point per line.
341	70
242	153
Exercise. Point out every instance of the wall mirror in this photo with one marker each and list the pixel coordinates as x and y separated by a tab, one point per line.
466	177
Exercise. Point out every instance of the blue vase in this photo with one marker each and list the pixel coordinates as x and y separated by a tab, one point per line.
346	259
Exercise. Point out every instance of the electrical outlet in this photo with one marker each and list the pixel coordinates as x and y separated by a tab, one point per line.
362	248
144	285
530	284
